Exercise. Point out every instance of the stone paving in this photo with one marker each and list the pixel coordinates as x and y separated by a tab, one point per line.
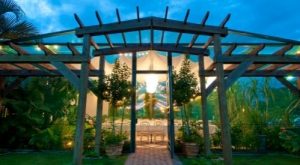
151	154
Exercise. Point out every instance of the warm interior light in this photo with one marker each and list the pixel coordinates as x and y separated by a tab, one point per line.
151	83
37	48
1	47
290	78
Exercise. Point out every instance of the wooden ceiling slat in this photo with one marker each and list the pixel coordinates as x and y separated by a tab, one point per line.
229	51
74	51
280	52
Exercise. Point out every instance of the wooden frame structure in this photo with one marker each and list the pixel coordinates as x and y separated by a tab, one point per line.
15	60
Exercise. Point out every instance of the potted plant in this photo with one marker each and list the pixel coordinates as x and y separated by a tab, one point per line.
113	143
184	89
192	142
116	89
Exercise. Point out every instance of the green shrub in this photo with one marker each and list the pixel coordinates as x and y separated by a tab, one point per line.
290	141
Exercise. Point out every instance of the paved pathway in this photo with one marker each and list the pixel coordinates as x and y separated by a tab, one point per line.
151	154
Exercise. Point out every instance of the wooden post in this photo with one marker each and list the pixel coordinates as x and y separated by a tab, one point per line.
204	106
133	103
99	107
225	125
171	112
84	73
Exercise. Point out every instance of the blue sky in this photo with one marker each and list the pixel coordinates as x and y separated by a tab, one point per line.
272	17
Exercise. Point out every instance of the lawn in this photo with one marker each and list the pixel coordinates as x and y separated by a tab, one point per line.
50	158
272	159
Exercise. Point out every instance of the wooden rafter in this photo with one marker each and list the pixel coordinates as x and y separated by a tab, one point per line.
151	23
184	22
144	47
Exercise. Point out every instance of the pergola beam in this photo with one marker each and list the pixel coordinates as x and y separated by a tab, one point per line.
144	47
163	32
151	23
42	59
262	59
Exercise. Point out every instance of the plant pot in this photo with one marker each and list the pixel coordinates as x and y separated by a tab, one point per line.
114	149
190	149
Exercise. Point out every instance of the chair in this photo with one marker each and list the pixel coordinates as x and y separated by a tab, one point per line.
158	130
143	130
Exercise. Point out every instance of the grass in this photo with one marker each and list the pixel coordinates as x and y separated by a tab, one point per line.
51	158
273	159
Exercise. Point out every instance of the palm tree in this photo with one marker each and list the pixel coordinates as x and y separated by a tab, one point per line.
13	25
12	21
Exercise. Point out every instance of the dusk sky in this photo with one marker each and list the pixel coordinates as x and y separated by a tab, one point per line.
272	17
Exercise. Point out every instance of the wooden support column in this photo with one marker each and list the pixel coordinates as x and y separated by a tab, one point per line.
133	103
225	125
171	112
204	106
99	107
83	87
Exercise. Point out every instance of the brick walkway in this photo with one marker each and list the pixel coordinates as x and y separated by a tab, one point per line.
151	154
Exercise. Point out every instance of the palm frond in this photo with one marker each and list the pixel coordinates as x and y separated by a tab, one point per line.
11	6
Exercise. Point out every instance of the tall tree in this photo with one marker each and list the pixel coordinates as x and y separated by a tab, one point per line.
184	88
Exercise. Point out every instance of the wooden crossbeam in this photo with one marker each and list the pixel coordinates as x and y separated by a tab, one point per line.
42	59
94	44
211	87
46	50
184	22
229	51
123	34
151	23
262	59
138	19
260	73
81	25
195	36
222	25
105	35
280	52
163	32
23	52
237	73
211	66
73	49
144	47
225	20
255	51
61	67
95	73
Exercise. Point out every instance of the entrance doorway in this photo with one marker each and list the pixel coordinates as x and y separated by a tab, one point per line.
152	110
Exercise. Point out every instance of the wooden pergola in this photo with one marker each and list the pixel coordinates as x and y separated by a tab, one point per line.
268	56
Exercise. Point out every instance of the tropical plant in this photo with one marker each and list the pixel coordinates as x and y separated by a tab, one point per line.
33	109
12	25
12	21
290	141
184	88
150	102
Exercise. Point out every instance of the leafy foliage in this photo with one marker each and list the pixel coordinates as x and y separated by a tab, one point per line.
34	110
12	22
184	88
184	84
290	140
